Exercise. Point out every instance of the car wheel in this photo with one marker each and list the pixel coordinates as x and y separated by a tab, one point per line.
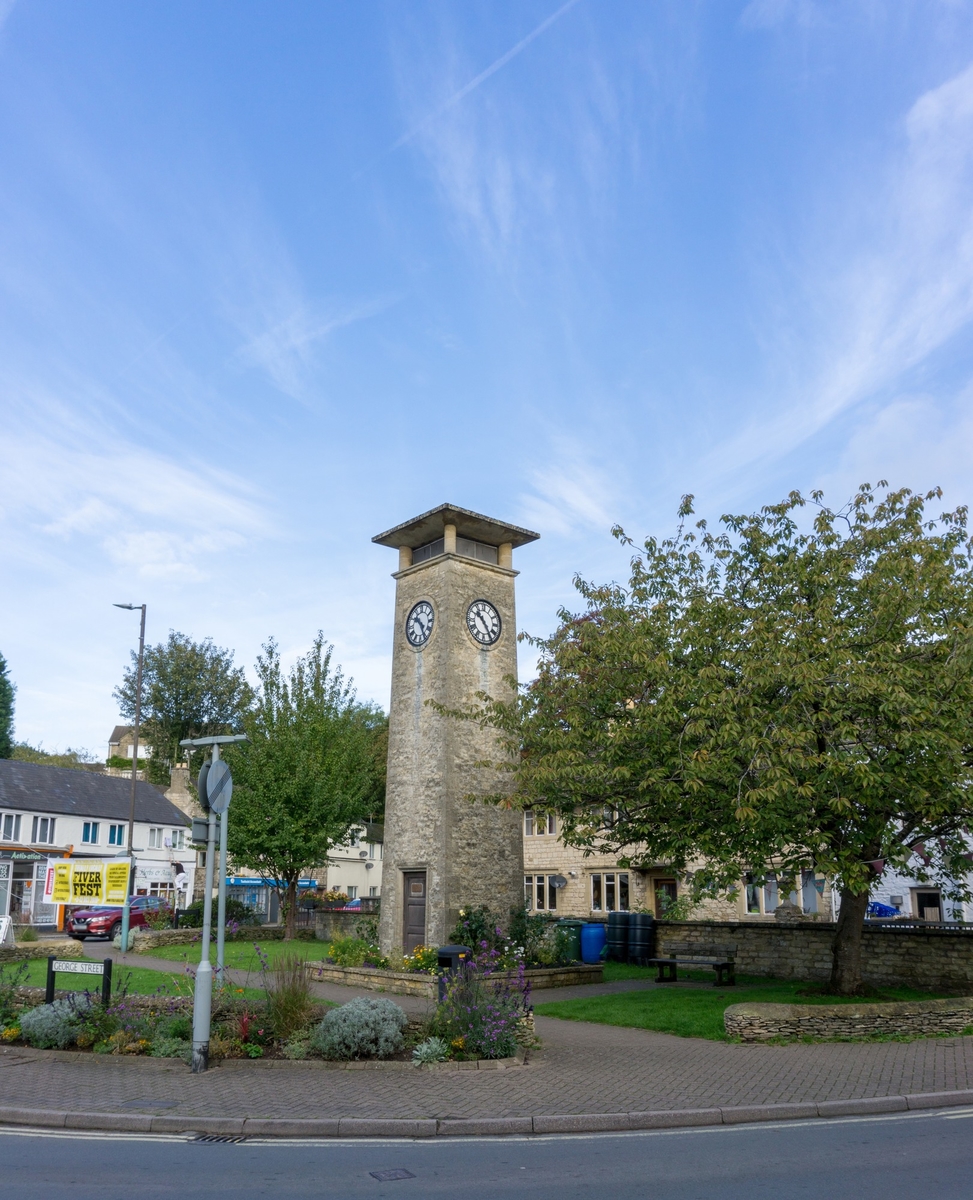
78	937
115	930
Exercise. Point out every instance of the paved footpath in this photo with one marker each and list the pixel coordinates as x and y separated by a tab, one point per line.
586	1077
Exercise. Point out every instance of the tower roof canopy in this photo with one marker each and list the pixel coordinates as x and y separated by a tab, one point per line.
429	526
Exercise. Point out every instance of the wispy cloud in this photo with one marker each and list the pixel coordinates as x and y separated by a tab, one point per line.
570	493
906	290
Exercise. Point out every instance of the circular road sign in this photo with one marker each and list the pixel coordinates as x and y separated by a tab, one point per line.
219	786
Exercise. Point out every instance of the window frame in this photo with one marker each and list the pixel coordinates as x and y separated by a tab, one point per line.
90	833
605	891
15	820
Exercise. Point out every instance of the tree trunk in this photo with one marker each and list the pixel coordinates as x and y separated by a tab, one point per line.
290	909
846	949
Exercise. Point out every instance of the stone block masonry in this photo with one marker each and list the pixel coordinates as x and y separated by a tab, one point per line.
933	958
764	1022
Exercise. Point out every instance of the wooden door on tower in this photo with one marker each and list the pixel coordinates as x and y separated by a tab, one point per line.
414	910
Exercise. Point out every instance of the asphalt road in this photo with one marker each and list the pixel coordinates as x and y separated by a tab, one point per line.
898	1157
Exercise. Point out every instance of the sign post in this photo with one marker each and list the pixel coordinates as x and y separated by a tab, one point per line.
72	967
219	788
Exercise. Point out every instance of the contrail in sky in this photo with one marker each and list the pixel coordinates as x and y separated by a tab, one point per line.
473	83
484	75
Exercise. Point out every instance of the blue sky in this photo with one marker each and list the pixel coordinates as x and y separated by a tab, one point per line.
276	276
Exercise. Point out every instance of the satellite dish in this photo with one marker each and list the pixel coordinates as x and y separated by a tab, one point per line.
557	881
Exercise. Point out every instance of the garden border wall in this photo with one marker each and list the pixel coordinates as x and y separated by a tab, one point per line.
417	983
935	958
68	948
763	1022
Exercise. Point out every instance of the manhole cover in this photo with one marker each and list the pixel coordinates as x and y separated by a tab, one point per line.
395	1173
212	1139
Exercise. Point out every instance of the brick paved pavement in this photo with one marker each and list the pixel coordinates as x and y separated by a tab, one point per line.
583	1069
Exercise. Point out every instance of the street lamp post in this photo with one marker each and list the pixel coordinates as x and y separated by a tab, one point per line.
203	990
126	907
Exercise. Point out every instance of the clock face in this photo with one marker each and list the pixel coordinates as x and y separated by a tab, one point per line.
483	622
418	624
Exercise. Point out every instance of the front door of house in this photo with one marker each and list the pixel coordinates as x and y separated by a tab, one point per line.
929	906
665	894
414	910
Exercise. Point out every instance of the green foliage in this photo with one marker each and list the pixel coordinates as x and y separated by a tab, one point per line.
171	1047
28	934
12	976
433	1049
191	917
189	689
423	958
7	693
355	952
289	1000
363	1028
117	763
79	760
771	695
480	1015
54	1026
307	775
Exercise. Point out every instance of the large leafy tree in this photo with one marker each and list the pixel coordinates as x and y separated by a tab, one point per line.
787	693
7	691
308	774
189	689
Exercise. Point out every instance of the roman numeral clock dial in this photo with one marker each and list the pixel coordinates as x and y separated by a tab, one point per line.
483	622
418	624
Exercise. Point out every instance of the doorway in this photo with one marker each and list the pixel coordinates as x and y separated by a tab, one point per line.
665	895
929	906
414	910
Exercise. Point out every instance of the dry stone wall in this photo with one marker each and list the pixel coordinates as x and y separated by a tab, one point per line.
764	1022
915	957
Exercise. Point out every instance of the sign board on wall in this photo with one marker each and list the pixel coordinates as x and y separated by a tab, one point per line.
86	881
6	931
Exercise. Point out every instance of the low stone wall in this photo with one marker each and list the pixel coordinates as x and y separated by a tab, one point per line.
891	955
329	924
60	949
416	983
146	940
762	1022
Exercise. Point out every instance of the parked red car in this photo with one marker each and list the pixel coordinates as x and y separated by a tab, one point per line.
107	921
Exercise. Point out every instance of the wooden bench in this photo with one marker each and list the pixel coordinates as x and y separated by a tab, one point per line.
718	957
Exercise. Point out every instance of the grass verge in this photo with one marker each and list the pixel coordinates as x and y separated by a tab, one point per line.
242	955
697	1012
139	981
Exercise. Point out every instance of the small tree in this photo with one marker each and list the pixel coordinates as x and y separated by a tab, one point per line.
768	697
189	689
7	692
308	774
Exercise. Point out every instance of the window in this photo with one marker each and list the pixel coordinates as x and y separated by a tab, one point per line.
11	827
177	839
540	893
470	549
539	823
116	835
373	891
352	893
42	831
155	838
371	849
753	895
763	895
610	891
430	550
89	833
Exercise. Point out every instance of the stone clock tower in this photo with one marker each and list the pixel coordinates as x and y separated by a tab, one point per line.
455	635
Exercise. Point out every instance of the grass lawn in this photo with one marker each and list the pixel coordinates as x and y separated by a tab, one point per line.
139	981
694	1012
241	955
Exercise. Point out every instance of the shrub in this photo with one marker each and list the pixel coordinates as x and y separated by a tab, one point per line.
423	958
12	976
432	1050
482	1015
363	1028
289	1000
54	1026
171	1047
356	952
191	917
28	934
159	918
305	935
297	1047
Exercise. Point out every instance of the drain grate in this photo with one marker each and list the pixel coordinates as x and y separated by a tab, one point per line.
395	1173
212	1139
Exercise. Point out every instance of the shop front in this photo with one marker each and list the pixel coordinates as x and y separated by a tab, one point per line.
22	889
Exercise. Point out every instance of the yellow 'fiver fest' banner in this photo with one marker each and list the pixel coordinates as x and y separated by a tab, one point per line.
86	881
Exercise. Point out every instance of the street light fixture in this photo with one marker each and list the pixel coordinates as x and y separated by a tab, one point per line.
126	907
